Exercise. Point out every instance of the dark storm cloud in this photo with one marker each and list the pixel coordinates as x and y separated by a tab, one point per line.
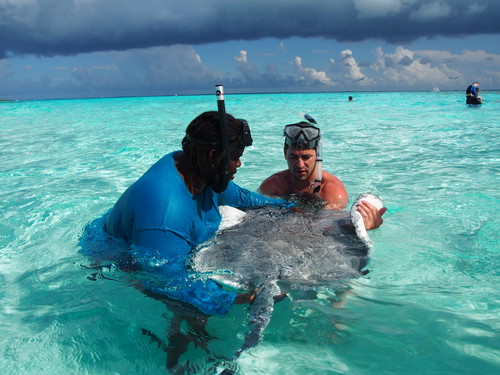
65	27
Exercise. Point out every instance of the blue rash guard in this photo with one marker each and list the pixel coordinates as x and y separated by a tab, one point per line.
164	220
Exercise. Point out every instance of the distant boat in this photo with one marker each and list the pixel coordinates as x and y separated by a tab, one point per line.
436	89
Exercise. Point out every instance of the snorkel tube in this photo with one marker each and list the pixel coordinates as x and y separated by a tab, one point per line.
221	107
319	159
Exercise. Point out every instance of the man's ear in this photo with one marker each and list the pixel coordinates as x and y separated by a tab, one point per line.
213	157
285	149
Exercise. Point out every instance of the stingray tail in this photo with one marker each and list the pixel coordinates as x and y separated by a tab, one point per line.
260	315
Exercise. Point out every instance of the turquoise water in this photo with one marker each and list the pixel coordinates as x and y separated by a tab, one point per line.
430	304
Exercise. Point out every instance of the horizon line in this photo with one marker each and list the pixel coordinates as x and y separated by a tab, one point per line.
234	93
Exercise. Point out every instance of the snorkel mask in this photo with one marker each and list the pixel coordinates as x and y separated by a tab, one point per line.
302	135
243	140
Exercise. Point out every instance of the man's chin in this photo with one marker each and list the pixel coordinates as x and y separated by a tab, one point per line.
301	177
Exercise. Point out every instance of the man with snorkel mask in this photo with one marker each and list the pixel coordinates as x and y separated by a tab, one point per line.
305	178
174	207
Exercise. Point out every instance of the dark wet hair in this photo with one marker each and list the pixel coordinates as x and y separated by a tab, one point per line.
203	135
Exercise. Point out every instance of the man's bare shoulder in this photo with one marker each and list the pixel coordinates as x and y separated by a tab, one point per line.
275	184
333	191
330	178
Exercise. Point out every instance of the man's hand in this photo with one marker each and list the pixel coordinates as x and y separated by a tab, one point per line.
242	298
249	297
371	216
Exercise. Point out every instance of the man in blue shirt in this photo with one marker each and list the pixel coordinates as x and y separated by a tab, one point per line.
174	206
472	94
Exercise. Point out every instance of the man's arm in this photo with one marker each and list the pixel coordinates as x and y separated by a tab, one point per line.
242	198
333	192
167	258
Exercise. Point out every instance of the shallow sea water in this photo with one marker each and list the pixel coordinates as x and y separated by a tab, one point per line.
430	304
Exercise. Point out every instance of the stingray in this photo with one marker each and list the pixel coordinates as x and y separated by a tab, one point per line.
272	245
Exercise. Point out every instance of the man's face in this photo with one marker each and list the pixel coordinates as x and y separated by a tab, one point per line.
301	162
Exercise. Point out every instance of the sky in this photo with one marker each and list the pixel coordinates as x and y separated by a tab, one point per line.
108	48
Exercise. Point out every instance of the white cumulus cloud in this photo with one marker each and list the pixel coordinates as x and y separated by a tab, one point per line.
401	67
311	75
352	70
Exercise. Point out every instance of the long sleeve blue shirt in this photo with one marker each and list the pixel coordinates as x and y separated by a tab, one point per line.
164	221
